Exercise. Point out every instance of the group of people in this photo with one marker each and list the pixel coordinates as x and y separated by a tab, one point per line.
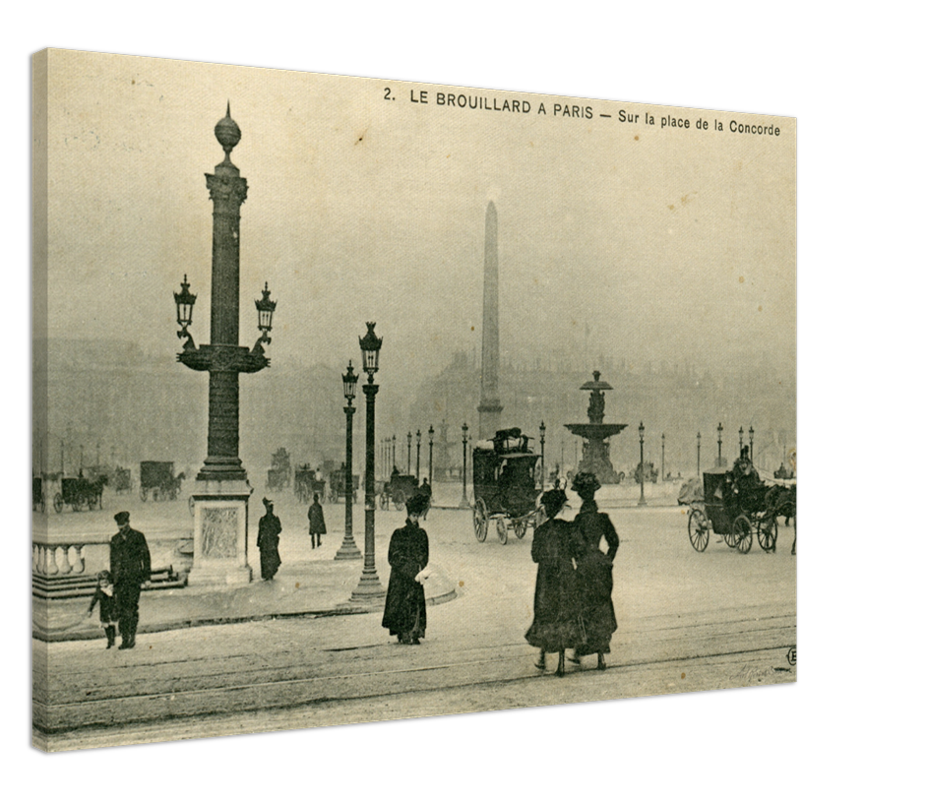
269	529
118	588
573	609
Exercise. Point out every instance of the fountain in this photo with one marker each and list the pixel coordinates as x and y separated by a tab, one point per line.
596	432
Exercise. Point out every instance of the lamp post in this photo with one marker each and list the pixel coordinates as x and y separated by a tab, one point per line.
418	455
719	444
543	468
699	455
394	451
369	589
464	502
431	456
222	492
349	549
752	433
642	500
741	441
408	459
663	465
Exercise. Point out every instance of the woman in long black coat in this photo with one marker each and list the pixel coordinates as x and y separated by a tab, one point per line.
405	614
556	623
594	571
268	542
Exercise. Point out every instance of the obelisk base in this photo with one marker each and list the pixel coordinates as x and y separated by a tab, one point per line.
220	534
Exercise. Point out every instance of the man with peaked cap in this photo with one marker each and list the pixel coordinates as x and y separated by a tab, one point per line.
130	565
405	613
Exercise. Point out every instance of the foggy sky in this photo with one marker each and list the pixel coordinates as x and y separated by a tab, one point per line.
626	239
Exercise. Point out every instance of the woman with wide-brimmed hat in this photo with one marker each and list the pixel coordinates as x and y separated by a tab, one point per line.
593	571
556	624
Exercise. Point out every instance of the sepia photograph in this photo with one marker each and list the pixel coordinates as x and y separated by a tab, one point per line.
568	327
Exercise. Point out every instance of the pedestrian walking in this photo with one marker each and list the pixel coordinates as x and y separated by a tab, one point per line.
317	527
594	576
268	542
130	566
405	614
425	491
557	624
105	596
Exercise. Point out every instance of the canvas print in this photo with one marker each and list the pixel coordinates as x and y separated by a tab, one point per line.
357	399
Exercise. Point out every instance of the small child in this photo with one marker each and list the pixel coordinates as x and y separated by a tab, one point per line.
104	596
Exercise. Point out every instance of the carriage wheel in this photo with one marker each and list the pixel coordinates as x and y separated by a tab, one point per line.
520	526
75	506
699	533
398	499
742	530
58	503
480	520
91	503
501	528
173	494
144	494
768	532
383	501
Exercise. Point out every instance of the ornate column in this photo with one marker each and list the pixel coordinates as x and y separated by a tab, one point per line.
222	491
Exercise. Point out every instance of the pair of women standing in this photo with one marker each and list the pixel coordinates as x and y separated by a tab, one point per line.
572	598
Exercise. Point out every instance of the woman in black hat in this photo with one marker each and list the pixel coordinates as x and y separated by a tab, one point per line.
405	614
268	542
556	624
593	571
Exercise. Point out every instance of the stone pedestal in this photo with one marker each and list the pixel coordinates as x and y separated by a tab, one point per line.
220	533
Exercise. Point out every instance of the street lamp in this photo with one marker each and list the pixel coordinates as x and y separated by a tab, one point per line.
431	456
394	451
752	434
699	455
663	465
408	460
543	468
418	455
642	500
464	502
369	589
741	440
719	444
349	549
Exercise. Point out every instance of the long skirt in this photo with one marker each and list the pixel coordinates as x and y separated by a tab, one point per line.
595	584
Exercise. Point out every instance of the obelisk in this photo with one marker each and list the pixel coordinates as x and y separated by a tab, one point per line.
490	407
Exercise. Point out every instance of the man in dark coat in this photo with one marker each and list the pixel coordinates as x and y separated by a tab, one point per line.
317	527
268	542
130	565
405	614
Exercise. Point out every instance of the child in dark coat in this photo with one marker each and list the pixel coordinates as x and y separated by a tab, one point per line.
105	597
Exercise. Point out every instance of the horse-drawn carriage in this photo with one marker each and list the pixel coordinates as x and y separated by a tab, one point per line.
280	474
306	483
337	484
398	489
735	511
122	480
79	492
38	493
505	485
158	480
